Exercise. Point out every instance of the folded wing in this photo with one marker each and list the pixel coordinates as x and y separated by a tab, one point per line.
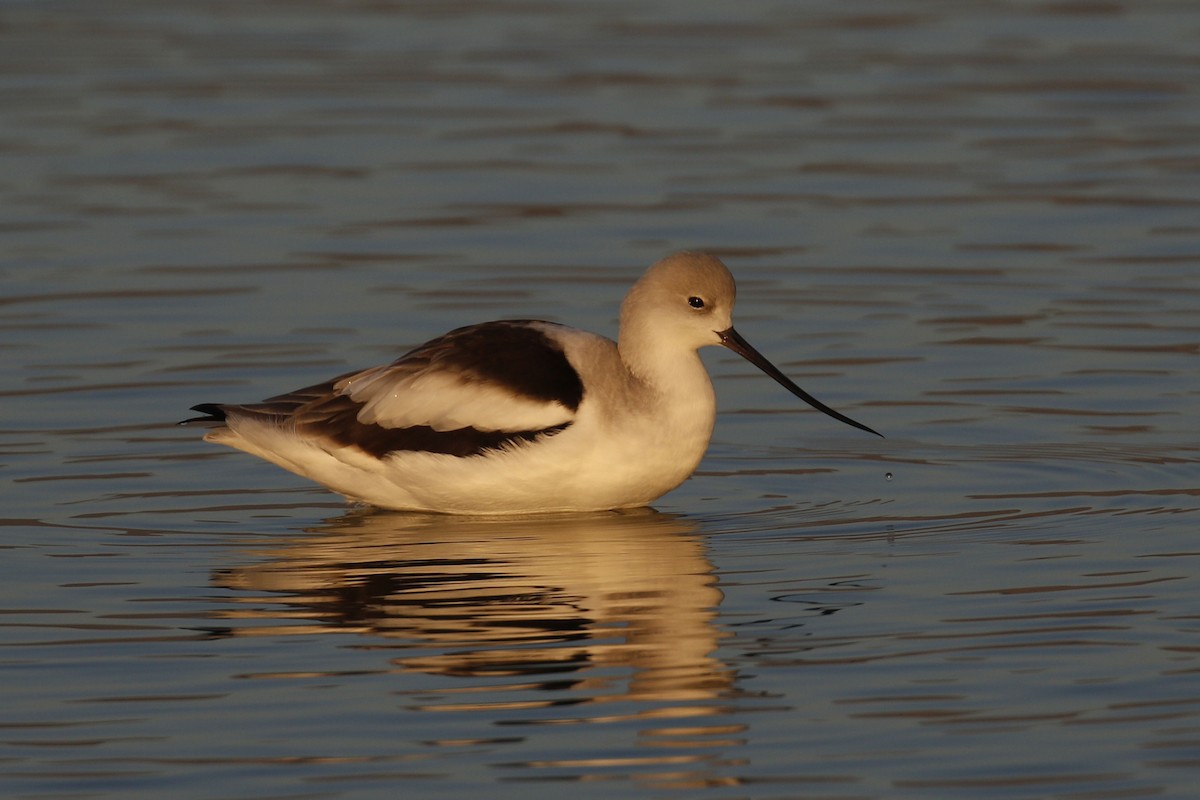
480	388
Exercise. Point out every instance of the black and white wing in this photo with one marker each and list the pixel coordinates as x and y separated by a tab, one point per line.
479	388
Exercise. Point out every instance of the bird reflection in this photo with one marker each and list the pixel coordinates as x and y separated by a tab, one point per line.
545	598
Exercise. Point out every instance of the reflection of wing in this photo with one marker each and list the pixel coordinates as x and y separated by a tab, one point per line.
475	389
487	596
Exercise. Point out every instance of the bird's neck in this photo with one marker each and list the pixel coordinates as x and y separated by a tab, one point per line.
676	373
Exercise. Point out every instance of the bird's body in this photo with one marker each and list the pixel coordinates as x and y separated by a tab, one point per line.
518	416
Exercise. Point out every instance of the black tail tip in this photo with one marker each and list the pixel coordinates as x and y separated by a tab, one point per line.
212	413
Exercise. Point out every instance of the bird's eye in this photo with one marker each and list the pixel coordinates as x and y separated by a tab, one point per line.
696	302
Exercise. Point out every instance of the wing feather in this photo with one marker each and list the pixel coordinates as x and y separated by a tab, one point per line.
498	376
476	389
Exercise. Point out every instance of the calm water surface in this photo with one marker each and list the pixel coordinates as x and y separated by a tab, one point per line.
974	226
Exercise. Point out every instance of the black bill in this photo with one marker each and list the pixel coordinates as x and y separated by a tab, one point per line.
734	341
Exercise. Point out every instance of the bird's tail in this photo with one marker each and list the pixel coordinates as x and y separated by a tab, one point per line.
212	412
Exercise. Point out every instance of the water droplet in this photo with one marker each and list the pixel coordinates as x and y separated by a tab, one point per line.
888	476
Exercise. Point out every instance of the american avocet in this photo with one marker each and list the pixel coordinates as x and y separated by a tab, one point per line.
519	416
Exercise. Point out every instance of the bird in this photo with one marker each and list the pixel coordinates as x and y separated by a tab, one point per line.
519	416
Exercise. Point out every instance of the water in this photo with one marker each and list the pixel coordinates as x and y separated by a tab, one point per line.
973	226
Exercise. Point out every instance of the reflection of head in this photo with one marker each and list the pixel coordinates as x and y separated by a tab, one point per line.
530	595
